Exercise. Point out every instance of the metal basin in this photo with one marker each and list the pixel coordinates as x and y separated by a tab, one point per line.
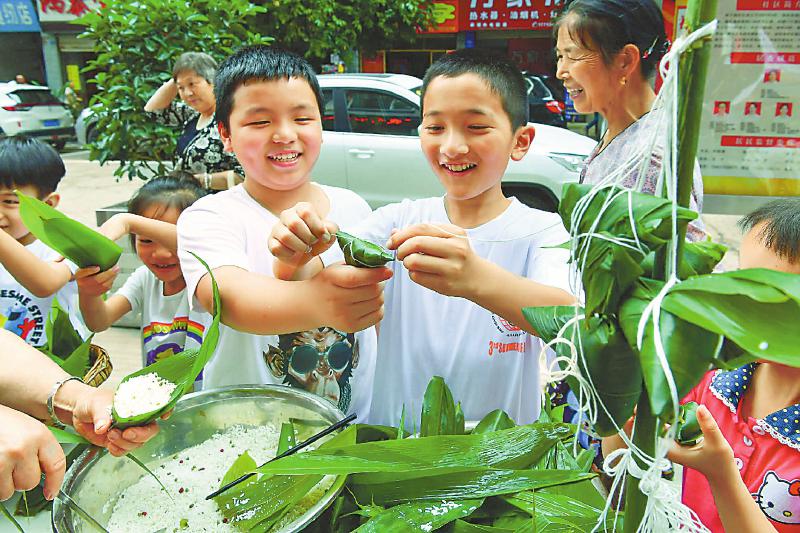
97	477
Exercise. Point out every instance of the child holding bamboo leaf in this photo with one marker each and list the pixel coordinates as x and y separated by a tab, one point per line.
157	288
744	476
269	112
32	274
474	258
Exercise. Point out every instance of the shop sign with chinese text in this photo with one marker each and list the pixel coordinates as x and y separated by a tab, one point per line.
66	10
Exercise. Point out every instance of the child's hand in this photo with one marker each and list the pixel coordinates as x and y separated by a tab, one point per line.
115	227
439	257
300	235
350	298
92	282
712	456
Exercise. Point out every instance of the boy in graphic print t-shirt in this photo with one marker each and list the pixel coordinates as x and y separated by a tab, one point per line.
279	332
468	262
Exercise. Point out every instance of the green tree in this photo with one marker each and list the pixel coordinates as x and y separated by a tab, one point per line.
136	43
316	28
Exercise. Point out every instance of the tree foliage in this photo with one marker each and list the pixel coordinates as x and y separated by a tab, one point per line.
136	43
316	28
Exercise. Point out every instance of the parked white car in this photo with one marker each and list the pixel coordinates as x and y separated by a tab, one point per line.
371	145
34	111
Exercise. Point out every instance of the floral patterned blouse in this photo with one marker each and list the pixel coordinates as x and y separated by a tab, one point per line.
204	151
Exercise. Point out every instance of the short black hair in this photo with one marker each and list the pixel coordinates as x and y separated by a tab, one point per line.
178	189
502	77
258	63
781	232
26	161
606	26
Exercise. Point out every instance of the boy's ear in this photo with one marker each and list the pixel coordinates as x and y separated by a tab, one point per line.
225	136
523	138
52	199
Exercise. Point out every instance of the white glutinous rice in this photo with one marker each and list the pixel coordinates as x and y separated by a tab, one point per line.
142	394
189	476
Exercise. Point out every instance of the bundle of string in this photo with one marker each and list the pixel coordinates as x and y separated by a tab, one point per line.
663	512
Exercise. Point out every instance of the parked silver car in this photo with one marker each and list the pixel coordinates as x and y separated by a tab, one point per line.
34	111
371	145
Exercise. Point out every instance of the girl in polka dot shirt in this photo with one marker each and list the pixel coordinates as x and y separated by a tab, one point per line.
744	476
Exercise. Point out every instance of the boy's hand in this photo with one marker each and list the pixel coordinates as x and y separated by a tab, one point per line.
439	257
92	282
300	235
28	450
713	456
351	299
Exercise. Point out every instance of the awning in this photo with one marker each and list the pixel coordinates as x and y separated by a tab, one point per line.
18	16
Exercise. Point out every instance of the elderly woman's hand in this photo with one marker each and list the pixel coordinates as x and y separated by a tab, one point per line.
28	450
91	418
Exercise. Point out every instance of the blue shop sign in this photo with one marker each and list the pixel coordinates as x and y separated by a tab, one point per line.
17	16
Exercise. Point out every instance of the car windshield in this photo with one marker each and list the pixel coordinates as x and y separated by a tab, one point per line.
34	97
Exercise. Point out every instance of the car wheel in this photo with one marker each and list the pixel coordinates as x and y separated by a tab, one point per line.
91	136
533	196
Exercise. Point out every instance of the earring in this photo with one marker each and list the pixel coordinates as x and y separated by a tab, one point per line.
624	80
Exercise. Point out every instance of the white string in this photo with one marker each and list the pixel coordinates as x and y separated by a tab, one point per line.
664	511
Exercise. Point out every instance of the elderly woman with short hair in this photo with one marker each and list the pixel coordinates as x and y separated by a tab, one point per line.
200	150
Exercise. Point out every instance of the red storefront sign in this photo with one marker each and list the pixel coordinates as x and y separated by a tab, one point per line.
510	14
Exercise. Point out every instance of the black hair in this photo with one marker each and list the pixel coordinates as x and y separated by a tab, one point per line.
781	232
258	63
501	76
200	63
178	189
606	26
26	161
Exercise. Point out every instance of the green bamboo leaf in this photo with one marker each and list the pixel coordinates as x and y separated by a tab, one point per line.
608	360
460	526
459	424
80	244
286	440
518	447
688	430
419	516
689	349
11	519
181	369
241	466
150	472
698	258
62	338
67	437
742	306
438	409
495	421
77	364
558	513
610	268
460	485
362	253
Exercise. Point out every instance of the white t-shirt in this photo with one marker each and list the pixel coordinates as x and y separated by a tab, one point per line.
168	325
488	362
231	229
24	314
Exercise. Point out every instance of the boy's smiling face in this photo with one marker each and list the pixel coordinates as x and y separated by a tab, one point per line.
467	136
10	219
275	132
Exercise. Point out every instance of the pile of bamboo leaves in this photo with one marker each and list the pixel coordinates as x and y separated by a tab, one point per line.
500	477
